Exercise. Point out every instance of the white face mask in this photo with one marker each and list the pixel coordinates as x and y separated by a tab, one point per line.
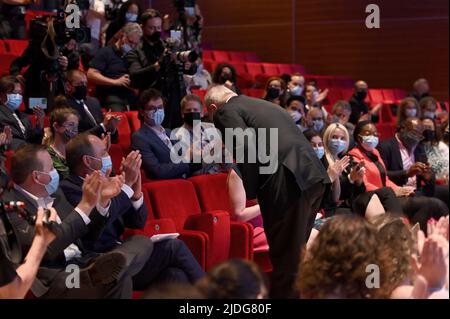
411	112
296	115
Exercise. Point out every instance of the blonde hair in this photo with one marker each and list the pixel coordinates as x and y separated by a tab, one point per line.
327	136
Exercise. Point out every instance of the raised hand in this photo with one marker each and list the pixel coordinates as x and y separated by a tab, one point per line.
91	192
43	233
357	173
106	139
40	115
111	121
432	264
131	165
335	170
110	188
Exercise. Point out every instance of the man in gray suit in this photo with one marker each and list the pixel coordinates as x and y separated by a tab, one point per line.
289	193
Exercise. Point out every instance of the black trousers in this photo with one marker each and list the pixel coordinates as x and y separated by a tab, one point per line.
420	209
288	216
387	198
149	264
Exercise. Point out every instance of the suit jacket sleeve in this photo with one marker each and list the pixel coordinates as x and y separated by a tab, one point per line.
250	171
150	163
387	152
135	219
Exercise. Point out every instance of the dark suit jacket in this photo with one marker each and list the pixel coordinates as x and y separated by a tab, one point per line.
156	155
71	230
121	214
86	124
32	135
293	151
390	152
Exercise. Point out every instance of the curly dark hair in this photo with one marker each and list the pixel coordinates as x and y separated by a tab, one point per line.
335	266
218	72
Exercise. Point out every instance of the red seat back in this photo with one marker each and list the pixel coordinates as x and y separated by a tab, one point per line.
116	153
15	47
376	96
212	191
237	56
271	69
133	120
251	57
207	55
175	199
389	95
124	132
221	56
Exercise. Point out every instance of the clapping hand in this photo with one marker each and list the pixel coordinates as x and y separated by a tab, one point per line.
6	136
335	170
42	233
110	187
91	192
40	115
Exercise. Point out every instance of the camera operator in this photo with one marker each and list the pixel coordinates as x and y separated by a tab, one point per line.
15	283
12	18
190	22
49	54
109	70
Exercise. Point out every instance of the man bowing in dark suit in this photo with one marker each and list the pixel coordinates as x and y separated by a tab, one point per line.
289	193
89	108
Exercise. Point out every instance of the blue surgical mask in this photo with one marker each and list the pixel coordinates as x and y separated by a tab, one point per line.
131	17
106	163
296	115
52	186
369	143
318	125
429	114
126	48
320	151
337	146
157	116
13	101
296	90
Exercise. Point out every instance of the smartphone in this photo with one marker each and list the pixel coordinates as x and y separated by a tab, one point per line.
40	102
175	35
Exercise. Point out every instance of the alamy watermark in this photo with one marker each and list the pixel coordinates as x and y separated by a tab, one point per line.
250	146
373	19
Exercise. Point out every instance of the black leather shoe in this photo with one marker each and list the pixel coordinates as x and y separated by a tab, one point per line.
104	270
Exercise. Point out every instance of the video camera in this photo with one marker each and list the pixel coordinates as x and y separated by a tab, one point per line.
174	49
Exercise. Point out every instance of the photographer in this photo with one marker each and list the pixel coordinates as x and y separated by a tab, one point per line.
12	18
15	283
129	11
44	75
109	70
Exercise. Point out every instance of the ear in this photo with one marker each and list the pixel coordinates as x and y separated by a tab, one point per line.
86	161
213	107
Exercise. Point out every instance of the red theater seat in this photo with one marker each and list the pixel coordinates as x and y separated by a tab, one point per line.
177	200
385	130
389	96
399	94
116	153
251	57
207	55
221	56
133	120
376	96
237	56
271	69
15	47
284	69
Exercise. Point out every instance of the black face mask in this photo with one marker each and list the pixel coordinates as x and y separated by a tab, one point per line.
429	135
80	92
361	95
225	77
155	37
273	93
189	118
409	140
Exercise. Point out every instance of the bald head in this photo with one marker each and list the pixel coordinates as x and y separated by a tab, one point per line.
421	86
217	96
361	85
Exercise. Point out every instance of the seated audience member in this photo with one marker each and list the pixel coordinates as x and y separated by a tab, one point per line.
16	280
436	150
321	95
417	266
408	108
421	89
36	184
311	95
240	212
418	208
109	71
19	123
348	192
341	113
88	107
153	141
168	260
296	85
428	107
275	91
225	74
295	106
201	80
130	11
234	279
360	109
208	139
63	127
406	161
335	265
315	119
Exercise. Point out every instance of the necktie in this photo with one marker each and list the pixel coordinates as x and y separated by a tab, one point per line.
89	114
22	127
